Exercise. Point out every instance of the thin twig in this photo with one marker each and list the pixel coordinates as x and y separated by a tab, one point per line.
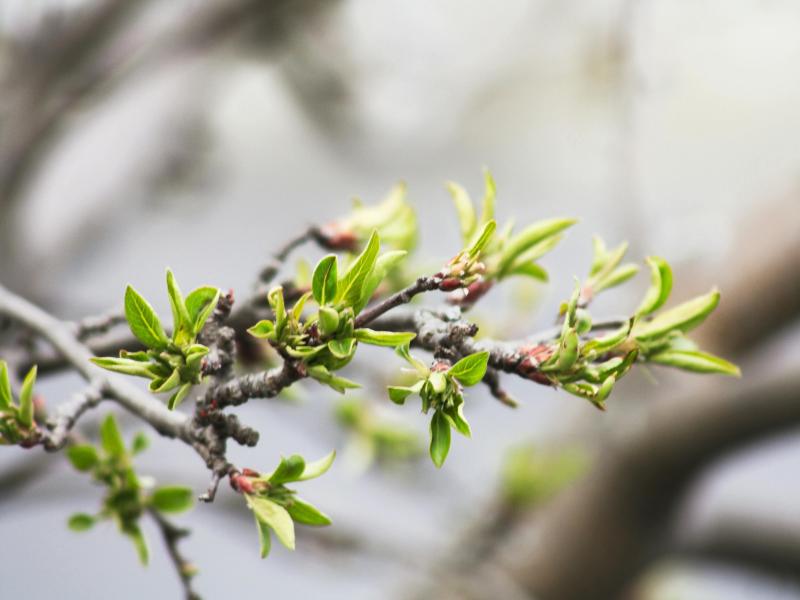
98	324
278	259
68	414
423	284
172	535
166	422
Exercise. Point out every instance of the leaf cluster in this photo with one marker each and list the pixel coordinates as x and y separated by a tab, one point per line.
507	253
441	390
172	364
277	508
327	340
16	417
589	365
126	500
372	438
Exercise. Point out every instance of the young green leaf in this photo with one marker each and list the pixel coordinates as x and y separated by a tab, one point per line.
182	325
616	277
437	382
483	239
683	317
110	437
139	541
470	369
83	457
466	212
263	536
263	329
302	512
384	263
124	365
179	396
529	269
384	338
143	321
26	399
328	320
6	399
289	469
455	415
275	516
529	237
538	250
172	499
582	390
660	286
318	467
419	366
325	279
200	303
567	351
604	391
583	321
194	356
398	394
605	261
170	383
138	356
343	348
440	438
340	384
698	362
81	522
608	342
139	443
350	286
489	195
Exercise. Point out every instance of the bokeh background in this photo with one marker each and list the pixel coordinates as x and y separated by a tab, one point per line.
202	134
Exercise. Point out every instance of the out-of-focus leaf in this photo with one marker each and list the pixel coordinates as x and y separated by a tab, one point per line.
172	499
698	362
683	317
317	468
83	457
25	417
660	286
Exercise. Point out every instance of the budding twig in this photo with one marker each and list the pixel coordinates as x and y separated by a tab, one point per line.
423	284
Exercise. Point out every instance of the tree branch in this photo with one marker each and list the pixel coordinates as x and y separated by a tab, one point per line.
166	422
68	413
171	536
423	284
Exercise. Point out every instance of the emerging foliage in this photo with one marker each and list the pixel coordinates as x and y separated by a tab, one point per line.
17	425
441	389
171	364
277	508
126	500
